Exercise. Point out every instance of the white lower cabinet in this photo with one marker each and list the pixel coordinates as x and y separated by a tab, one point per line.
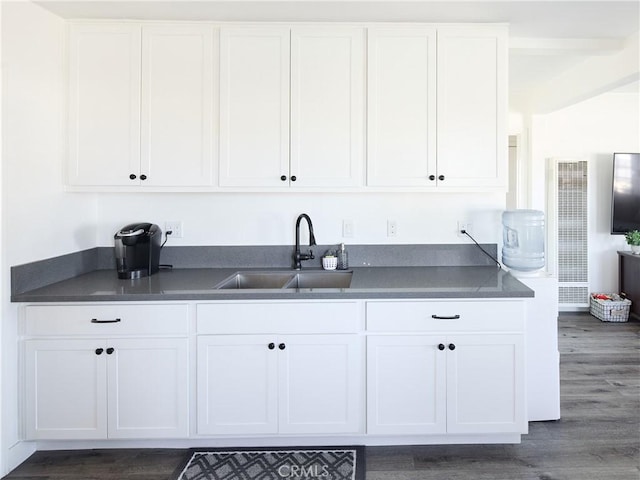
287	384
420	382
66	389
406	385
450	369
105	386
280	368
485	383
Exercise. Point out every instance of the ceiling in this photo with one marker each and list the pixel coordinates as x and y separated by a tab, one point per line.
546	37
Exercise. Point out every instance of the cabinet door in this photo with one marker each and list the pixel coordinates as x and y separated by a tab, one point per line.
254	106
406	385
148	388
104	104
472	140
485	384
401	109
237	384
320	384
177	105
65	389
327	106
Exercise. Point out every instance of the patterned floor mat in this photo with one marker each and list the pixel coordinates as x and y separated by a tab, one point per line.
339	463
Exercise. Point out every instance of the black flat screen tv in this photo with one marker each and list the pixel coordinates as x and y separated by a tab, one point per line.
625	200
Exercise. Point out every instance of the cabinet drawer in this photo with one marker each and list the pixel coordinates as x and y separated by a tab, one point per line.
279	317
449	316
107	319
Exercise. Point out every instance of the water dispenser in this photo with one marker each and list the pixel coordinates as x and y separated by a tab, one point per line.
523	240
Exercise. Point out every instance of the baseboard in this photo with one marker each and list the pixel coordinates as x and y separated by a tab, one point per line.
16	454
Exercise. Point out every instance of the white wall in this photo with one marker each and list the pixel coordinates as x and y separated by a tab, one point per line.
592	130
269	218
39	219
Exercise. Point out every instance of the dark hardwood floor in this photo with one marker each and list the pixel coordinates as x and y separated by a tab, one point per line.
598	437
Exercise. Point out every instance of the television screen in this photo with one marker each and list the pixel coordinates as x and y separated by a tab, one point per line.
625	201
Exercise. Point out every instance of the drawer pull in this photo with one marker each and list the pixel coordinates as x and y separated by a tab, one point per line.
115	320
441	346
110	350
446	317
99	351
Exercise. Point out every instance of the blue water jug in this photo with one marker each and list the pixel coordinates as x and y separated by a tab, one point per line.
523	240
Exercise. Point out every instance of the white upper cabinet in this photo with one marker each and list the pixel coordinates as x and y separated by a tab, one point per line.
401	114
240	107
472	106
437	107
254	106
141	105
104	104
291	106
327	106
177	105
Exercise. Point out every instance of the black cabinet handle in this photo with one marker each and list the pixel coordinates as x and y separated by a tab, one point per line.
282	346
283	178
441	346
293	178
115	320
110	350
440	177
143	177
99	351
452	346
432	177
132	176
445	317
271	346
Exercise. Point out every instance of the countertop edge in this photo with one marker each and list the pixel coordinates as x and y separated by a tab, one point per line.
251	295
368	283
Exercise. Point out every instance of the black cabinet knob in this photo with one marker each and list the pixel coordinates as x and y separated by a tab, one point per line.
441	346
143	177
440	177
282	346
432	177
110	350
99	351
283	178
452	346
132	176
293	178
271	346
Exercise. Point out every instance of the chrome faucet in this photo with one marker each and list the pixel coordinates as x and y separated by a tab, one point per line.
297	256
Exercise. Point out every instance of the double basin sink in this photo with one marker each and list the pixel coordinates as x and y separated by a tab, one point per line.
286	280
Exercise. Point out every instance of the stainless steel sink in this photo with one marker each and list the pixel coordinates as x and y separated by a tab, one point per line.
246	280
320	280
286	280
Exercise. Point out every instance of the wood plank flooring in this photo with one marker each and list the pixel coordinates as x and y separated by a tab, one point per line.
598	437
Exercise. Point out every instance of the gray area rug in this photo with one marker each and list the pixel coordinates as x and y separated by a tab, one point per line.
293	463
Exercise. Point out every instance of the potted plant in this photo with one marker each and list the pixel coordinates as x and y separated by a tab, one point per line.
633	239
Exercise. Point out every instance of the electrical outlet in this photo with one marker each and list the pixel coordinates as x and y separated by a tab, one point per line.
348	228
175	226
392	228
463	225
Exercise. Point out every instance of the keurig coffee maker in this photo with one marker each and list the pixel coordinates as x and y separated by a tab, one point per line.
137	250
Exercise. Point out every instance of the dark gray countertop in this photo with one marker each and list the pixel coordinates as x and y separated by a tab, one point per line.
367	282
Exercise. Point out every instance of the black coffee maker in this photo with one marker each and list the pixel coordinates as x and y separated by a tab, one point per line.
137	250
